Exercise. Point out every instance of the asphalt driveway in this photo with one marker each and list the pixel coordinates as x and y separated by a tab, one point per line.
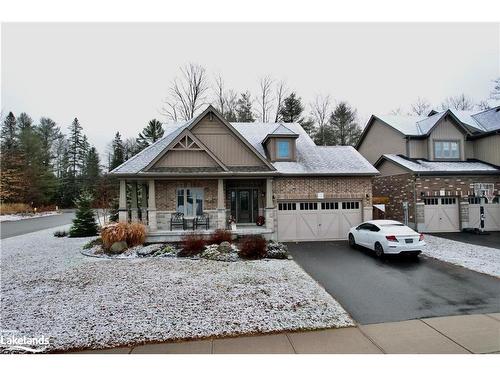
395	289
19	227
492	239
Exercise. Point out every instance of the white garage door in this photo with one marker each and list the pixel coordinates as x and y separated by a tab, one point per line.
310	221
491	215
441	215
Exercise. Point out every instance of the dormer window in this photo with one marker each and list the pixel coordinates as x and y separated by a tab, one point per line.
283	149
446	150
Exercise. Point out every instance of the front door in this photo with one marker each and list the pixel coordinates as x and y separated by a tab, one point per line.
244	207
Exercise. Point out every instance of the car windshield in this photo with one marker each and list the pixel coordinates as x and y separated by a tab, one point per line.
392	225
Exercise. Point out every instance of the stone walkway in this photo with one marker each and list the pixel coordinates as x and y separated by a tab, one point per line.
445	335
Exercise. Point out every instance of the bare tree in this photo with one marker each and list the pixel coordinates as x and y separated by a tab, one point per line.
421	106
220	95
187	93
460	102
483	105
495	92
281	94
265	98
320	111
396	111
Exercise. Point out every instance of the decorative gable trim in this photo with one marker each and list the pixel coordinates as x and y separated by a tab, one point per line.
186	141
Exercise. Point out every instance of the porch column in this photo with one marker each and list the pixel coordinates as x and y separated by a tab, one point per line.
133	203
269	210
144	203
122	202
152	206
221	205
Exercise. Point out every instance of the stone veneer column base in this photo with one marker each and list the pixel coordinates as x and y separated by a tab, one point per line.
420	215
221	218
152	222
122	215
367	213
464	215
270	215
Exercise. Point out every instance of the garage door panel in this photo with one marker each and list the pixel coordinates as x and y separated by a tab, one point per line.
491	213
441	215
314	221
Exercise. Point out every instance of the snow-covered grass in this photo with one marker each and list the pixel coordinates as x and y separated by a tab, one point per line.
49	288
477	258
27	216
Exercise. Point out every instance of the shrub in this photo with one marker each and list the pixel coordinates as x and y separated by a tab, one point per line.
136	234
212	252
252	247
277	250
219	236
112	233
191	244
84	224
60	233
15	208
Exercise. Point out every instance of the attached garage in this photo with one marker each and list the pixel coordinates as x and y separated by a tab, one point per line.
441	215
491	215
317	220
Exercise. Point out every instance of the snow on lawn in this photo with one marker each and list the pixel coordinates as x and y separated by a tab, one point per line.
27	216
49	288
477	258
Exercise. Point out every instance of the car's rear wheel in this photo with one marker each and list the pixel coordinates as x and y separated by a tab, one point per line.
379	250
352	241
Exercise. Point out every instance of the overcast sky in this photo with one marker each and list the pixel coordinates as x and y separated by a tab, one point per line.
113	77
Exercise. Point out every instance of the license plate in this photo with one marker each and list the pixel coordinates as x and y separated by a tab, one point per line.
409	240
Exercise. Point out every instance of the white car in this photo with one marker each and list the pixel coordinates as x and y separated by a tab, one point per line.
387	237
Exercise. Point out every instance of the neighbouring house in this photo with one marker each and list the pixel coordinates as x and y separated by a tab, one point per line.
210	168
430	165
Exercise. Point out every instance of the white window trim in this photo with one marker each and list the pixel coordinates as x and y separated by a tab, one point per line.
449	142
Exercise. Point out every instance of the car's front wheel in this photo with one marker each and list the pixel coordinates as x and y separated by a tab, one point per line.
379	250
352	241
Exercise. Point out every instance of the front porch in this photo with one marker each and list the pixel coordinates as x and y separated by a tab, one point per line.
154	201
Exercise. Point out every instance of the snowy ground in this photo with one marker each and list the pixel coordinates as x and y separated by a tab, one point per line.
477	258
27	216
49	288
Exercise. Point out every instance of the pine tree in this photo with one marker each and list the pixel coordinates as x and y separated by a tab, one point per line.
308	125
9	133
84	224
343	126
292	109
24	122
118	156
75	147
49	133
150	134
92	170
244	111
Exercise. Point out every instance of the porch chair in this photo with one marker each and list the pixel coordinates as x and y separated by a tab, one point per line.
202	220
177	220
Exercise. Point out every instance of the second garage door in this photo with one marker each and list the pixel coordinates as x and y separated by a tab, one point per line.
309	221
491	215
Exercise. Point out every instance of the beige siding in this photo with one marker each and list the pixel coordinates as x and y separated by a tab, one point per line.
382	139
417	148
469	150
225	145
446	131
175	158
388	168
271	149
488	149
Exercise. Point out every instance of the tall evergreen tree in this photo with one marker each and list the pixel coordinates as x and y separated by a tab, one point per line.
118	156
244	111
9	133
24	122
92	170
343	125
75	147
49	132
150	134
292	109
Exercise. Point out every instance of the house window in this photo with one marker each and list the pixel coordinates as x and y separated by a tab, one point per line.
190	201
283	147
446	150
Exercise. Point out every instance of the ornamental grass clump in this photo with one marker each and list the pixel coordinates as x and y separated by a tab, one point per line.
116	232
192	244
136	234
252	247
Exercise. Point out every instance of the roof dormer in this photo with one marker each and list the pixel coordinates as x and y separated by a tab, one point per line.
280	144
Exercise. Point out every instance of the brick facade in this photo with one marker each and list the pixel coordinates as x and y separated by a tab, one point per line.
331	187
413	189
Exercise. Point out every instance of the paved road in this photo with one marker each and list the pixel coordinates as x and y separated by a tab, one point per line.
16	228
395	289
490	240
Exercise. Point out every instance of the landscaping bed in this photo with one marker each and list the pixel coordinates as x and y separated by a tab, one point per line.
49	288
